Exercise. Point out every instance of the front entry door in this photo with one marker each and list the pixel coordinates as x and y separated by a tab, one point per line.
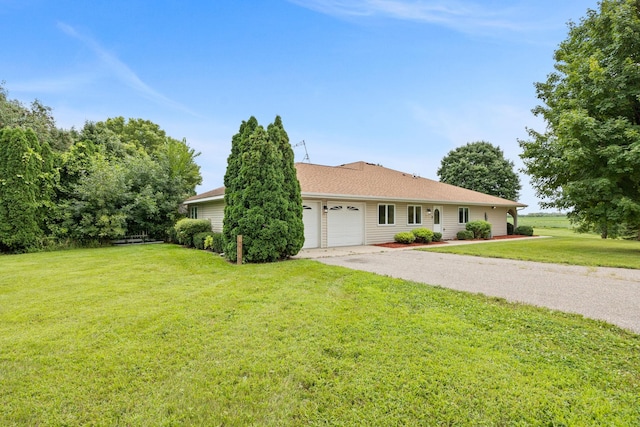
437	219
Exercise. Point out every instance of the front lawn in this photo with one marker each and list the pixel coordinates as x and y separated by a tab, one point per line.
161	335
564	246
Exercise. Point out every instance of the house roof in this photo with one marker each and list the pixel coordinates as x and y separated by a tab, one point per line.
362	180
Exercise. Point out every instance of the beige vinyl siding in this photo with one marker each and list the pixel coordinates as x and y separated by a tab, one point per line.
450	226
375	233
498	219
449	219
214	212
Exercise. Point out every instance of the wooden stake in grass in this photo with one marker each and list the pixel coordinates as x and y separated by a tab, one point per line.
239	244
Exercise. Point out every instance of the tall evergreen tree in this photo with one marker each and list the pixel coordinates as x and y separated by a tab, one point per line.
257	195
20	178
292	214
233	209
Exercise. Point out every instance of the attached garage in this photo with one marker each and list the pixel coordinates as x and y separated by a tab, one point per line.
345	224
311	220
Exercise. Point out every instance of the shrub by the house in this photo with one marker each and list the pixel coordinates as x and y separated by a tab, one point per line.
509	229
480	229
199	239
423	235
464	235
524	230
405	237
215	242
437	237
187	228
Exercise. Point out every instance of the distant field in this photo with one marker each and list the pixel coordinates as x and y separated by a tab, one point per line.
557	221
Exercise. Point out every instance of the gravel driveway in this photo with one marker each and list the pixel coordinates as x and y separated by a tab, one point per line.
610	294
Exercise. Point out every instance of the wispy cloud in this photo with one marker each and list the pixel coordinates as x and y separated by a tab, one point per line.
465	16
121	71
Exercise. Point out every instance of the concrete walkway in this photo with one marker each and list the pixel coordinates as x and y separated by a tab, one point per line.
610	294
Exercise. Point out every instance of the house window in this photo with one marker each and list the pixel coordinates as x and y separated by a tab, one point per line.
414	215
193	212
386	214
463	215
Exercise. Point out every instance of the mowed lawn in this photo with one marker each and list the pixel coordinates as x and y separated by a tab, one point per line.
561	245
162	335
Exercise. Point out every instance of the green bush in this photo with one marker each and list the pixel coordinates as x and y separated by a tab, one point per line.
480	229
524	230
172	235
404	237
509	229
214	242
199	239
465	235
187	228
437	237
423	235
208	242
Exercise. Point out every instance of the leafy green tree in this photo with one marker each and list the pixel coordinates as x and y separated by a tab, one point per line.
98	208
480	166
257	195
178	161
21	167
587	161
109	179
141	134
105	140
37	117
157	173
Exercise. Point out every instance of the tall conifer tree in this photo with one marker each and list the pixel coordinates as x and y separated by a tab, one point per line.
20	175
260	199
233	208
292	214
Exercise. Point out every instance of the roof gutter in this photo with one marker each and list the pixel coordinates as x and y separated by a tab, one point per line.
204	199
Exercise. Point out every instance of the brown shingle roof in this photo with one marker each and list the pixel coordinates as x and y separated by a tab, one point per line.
366	180
216	192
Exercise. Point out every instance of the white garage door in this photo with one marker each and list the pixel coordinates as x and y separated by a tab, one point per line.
345	224
311	220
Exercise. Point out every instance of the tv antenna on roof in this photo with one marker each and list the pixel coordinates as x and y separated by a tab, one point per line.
306	153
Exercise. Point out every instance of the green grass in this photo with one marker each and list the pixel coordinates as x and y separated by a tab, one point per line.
161	335
556	221
565	246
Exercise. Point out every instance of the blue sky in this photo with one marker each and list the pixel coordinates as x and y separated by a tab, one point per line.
395	82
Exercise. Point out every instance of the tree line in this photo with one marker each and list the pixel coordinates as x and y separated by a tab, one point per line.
107	180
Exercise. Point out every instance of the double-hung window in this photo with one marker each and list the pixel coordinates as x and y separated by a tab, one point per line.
414	215
386	214
463	215
193	212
